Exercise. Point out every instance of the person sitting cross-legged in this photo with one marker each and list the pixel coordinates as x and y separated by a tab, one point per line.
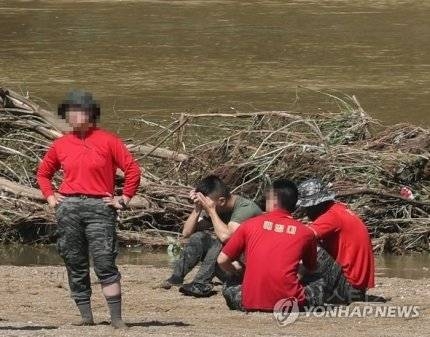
214	208
274	244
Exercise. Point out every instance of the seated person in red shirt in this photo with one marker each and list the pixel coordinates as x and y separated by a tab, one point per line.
346	259
273	245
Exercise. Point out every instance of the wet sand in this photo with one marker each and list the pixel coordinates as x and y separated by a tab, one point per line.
36	302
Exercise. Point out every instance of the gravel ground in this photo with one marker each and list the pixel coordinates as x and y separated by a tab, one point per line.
36	302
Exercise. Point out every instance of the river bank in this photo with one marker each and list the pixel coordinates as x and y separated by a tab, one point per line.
368	165
36	303
410	266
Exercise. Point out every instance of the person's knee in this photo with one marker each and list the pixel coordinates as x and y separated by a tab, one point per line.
105	269
198	242
199	237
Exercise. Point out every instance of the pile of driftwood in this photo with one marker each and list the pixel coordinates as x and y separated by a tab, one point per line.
366	163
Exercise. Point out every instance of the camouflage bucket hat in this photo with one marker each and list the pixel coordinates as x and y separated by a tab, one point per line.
313	192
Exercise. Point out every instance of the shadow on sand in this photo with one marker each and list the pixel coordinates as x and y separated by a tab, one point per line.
29	327
151	323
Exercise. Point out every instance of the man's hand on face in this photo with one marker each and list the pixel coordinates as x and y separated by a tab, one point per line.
193	195
197	205
206	203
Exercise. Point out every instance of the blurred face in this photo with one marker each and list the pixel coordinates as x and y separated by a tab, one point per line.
220	203
77	118
271	201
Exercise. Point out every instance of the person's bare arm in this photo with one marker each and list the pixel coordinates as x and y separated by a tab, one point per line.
220	228
231	251
232	226
227	264
190	224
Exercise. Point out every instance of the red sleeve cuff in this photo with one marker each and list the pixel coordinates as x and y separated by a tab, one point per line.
228	252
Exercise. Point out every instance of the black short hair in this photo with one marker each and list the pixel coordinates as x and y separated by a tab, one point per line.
286	193
213	185
93	111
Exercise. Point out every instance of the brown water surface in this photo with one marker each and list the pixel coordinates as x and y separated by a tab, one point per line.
159	57
408	266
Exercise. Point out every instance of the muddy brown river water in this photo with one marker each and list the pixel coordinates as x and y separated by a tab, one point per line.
409	266
153	58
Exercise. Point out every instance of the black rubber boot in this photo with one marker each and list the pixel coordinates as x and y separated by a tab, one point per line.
197	290
84	306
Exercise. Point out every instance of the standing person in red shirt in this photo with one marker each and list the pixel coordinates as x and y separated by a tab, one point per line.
346	259
85	205
273	245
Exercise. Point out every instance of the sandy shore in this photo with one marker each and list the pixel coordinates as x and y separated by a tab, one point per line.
36	302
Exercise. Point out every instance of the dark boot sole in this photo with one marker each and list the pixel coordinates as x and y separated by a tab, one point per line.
197	295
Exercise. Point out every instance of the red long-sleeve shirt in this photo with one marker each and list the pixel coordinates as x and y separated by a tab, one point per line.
89	165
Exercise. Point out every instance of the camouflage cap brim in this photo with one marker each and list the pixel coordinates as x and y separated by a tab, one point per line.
315	199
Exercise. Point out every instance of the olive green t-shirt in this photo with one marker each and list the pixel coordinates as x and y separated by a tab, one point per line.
243	210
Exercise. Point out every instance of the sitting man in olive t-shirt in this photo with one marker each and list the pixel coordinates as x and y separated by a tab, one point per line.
213	204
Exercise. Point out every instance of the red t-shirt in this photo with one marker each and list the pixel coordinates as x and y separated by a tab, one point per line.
273	243
346	239
89	165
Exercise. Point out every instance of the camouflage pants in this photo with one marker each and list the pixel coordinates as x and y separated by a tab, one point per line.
338	289
314	294
86	227
201	247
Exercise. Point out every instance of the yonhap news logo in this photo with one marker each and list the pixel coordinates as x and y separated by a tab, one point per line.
286	311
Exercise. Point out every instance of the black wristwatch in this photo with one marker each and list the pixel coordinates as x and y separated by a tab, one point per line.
122	203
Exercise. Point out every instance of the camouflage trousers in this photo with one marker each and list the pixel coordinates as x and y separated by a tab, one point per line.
86	227
314	293
201	247
338	290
